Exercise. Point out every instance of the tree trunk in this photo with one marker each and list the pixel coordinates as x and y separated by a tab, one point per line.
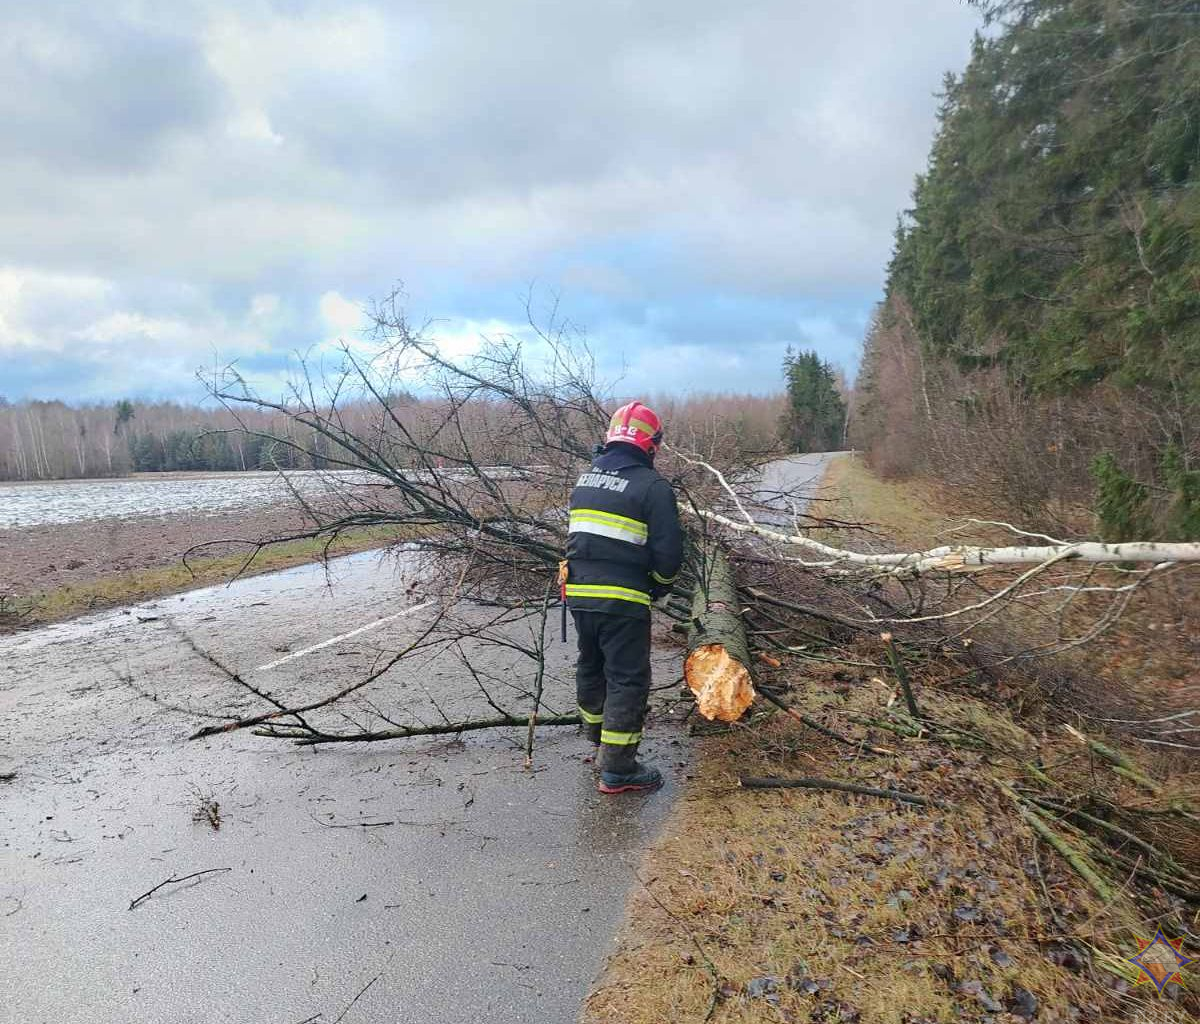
965	557
717	666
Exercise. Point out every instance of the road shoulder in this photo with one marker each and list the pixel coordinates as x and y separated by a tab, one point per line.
808	905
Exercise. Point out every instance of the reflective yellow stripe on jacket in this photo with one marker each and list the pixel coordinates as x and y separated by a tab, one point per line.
610	593
608	524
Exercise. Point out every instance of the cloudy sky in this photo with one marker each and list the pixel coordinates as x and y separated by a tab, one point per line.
700	183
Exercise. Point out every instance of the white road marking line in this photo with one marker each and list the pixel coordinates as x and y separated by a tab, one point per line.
345	636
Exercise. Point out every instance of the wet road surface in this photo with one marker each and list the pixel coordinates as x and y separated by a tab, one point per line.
416	880
785	487
493	896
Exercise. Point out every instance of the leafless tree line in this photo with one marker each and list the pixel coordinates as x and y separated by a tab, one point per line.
53	440
1015	453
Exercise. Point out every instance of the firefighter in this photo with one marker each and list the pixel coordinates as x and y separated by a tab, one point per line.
624	549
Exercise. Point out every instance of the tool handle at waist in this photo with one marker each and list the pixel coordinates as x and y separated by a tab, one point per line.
563	572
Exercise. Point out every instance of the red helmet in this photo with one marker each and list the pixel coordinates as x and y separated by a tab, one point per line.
637	425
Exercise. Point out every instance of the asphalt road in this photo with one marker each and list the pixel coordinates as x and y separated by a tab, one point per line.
785	486
494	897
492	893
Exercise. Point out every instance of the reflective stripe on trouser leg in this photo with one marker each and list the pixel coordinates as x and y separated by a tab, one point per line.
625	644
592	723
590	684
620	739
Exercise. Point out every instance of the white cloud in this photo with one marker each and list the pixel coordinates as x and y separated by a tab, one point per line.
124	326
101	342
38	309
223	170
263	305
341	316
459	338
254	126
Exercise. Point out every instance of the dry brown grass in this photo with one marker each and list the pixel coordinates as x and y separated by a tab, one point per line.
914	513
823	906
800	905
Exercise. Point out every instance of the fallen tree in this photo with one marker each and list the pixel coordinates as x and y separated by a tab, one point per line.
475	486
964	558
717	666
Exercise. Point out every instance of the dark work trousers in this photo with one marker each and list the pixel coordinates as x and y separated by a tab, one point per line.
612	676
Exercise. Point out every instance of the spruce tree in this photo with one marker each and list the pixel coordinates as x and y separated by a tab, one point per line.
815	414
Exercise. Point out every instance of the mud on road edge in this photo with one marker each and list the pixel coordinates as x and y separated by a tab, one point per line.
52	574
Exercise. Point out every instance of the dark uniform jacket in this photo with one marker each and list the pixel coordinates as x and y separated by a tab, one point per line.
624	545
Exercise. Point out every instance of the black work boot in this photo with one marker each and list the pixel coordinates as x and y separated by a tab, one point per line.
621	772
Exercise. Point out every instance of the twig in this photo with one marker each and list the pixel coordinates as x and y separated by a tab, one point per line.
1075	858
775	782
311	738
361	991
901	673
1037	865
1167	743
1171	884
540	676
253	720
1108	826
171	881
1120	763
803	609
720	479
351	824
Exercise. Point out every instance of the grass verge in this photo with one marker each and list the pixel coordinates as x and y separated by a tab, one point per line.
796	905
801	905
915	514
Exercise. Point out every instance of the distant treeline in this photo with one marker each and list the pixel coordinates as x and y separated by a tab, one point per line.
52	440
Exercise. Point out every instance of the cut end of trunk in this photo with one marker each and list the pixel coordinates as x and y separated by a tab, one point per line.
720	682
